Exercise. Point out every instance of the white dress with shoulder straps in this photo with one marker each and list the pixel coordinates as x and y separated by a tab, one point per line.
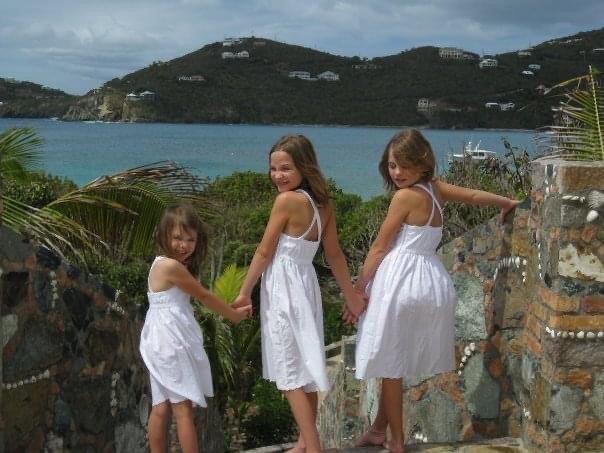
172	348
409	327
291	315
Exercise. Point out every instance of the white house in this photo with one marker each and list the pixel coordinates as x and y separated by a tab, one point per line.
524	53
450	53
425	105
492	105
193	78
132	97
487	63
228	42
147	95
242	54
527	73
507	106
329	76
534	67
305	75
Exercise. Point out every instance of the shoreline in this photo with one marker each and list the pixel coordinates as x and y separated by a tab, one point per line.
369	126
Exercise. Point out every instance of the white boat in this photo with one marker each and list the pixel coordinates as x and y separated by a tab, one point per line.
473	153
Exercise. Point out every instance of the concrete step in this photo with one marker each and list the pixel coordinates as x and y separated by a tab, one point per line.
501	445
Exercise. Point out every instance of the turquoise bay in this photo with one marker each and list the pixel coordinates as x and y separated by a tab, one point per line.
84	151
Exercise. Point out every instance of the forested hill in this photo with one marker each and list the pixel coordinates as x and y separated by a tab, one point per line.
381	91
27	99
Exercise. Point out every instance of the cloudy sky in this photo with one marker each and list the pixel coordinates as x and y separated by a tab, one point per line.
76	45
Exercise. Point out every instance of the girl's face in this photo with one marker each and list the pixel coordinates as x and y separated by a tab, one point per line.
402	176
284	174
182	243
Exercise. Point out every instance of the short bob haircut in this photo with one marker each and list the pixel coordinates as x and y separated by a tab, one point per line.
409	149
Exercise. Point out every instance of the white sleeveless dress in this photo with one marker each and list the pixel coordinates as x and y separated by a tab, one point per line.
409	327
291	315
172	348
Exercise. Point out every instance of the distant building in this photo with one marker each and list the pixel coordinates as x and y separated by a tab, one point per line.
147	95
259	43
492	105
132	97
425	105
487	63
507	106
534	67
451	53
527	73
365	66
329	76
228	42
304	75
227	55
242	54
193	78
524	53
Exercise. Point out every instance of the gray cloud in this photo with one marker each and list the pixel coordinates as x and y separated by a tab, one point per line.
75	45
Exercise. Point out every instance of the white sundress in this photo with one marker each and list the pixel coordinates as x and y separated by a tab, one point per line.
409	327
291	315
172	348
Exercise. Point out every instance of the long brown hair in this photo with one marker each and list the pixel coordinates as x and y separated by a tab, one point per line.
183	216
303	154
409	149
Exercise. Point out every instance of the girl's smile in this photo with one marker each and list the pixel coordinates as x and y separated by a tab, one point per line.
182	243
284	174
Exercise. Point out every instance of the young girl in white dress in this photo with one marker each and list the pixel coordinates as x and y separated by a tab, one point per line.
409	327
291	315
171	340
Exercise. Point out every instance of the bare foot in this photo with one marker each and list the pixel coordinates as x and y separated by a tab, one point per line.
395	448
298	448
371	438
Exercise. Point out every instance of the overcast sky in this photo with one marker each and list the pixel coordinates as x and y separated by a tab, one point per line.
79	45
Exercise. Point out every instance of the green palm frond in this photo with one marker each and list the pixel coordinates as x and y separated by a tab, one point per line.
125	208
51	229
19	153
228	284
580	132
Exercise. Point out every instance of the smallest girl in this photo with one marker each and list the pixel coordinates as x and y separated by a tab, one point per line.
171	340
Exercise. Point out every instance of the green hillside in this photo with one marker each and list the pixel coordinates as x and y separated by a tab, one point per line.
381	91
30	100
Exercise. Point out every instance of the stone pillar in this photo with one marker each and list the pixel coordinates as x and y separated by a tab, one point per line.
563	341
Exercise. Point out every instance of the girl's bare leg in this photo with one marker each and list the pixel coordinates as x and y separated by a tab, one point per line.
313	399
304	410
392	392
156	427
376	434
185	426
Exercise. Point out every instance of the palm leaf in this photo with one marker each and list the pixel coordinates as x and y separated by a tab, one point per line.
125	208
51	229
228	284
19	153
580	134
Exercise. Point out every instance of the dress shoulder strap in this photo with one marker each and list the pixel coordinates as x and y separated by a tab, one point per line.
435	202
157	258
316	216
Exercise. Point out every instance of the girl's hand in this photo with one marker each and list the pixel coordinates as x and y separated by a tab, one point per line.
242	301
507	209
240	313
347	316
357	304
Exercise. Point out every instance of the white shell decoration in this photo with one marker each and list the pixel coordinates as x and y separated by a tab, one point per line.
591	216
472	346
581	335
600	334
571	334
565	334
590	335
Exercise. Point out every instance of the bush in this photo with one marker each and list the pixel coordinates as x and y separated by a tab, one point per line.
269	420
40	190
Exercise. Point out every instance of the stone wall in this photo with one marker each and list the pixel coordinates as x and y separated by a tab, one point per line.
72	377
529	328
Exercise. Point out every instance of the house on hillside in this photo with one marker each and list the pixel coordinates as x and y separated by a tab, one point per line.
132	97
228	42
524	53
527	73
492	105
147	95
425	105
242	54
506	106
304	75
227	55
452	53
534	67
193	78
487	63
329	76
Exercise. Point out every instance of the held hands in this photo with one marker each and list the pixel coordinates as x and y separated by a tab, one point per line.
242	308
355	306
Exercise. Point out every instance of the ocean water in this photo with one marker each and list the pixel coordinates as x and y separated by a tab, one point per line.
84	151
